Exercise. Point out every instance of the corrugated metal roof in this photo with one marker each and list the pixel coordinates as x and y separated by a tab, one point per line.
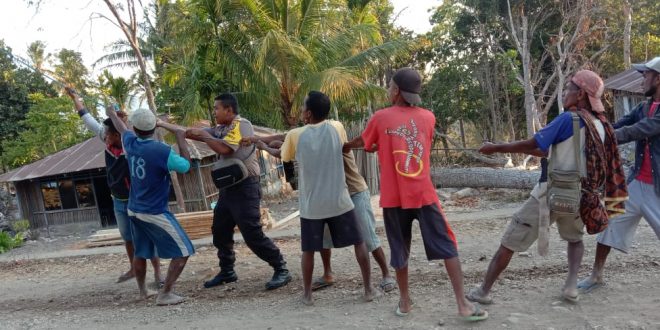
627	81
86	155
89	155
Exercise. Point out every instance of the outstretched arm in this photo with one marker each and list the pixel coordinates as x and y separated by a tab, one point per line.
171	127
275	152
215	144
116	121
266	139
89	121
357	142
522	147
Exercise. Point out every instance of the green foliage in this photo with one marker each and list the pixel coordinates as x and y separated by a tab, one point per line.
71	70
271	53
50	125
7	242
15	85
118	90
20	226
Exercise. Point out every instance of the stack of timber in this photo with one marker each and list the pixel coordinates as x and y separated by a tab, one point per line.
195	224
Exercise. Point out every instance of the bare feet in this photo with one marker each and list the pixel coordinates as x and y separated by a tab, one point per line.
307	300
404	307
169	298
126	276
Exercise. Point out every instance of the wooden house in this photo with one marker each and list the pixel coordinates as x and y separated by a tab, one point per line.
70	186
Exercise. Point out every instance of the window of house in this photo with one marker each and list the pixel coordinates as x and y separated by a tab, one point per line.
85	193
51	195
67	194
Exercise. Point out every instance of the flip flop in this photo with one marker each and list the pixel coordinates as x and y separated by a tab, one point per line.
477	315
398	311
320	283
570	299
475	295
125	277
387	284
586	285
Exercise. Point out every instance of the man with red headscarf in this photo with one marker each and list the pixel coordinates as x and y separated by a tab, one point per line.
581	96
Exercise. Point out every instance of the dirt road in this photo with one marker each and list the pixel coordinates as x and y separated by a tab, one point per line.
80	293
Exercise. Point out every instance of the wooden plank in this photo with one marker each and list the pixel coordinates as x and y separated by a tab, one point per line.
286	219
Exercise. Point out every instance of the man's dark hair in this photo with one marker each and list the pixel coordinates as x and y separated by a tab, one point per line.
319	104
110	126
228	100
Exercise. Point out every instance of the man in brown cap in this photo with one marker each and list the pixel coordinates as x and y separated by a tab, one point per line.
403	136
641	125
582	97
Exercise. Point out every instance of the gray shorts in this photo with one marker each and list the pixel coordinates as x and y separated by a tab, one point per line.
366	222
523	229
642	202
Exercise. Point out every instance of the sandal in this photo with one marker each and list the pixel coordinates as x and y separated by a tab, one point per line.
398	311
320	283
387	284
477	315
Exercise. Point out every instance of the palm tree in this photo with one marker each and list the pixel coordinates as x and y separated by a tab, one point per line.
37	54
273	52
120	90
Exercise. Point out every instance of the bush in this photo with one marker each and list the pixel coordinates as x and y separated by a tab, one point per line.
20	226
7	242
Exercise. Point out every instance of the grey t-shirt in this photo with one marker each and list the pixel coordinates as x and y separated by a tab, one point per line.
322	181
231	136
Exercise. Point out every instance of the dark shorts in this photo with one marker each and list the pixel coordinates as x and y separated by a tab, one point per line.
344	231
439	240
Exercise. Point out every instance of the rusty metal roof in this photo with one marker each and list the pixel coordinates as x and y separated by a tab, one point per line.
86	155
89	155
627	81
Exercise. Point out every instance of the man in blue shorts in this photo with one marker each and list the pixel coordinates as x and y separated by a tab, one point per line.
119	182
154	228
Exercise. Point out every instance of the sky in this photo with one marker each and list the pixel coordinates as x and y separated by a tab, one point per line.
67	24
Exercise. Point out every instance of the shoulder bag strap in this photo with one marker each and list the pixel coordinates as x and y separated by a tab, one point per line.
576	140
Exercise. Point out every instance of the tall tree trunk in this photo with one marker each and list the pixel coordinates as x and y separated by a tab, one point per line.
627	13
130	31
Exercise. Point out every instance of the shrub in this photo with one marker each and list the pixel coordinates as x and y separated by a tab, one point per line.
7	242
20	226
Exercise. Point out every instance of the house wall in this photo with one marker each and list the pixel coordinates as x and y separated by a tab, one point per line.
624	102
31	204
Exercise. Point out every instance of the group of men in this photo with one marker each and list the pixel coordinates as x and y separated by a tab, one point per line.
335	207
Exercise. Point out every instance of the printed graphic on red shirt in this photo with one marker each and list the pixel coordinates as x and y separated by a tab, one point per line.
412	155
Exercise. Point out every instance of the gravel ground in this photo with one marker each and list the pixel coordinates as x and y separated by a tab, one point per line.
80	293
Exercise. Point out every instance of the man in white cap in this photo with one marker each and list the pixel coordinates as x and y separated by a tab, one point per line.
641	125
155	230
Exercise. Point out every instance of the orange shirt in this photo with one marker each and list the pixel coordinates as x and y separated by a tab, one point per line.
403	136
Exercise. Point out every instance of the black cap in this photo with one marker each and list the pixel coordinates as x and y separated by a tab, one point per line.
410	84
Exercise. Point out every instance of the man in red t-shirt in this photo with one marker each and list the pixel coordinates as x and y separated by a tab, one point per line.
641	125
403	136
